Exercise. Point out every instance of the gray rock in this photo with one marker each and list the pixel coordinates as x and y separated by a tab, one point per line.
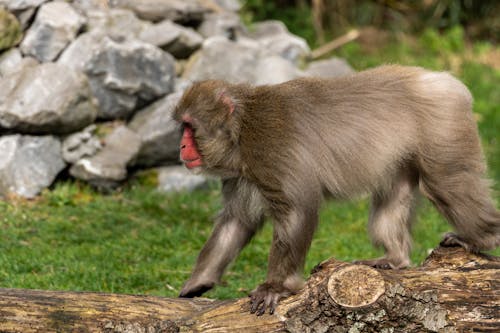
23	9
157	10
85	6
25	17
28	164
247	63
51	31
333	67
15	5
122	74
275	37
9	60
179	41
178	178
108	167
160	34
47	98
81	145
159	133
274	69
115	22
222	24
12	61
212	62
112	104
81	50
230	5
181	84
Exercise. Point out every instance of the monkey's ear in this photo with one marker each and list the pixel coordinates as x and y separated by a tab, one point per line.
224	97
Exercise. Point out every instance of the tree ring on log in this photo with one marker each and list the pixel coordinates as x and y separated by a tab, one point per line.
355	286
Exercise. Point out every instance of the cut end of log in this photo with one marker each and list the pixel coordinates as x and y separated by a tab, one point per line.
355	286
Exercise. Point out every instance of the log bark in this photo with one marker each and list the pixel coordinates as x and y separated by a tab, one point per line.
453	291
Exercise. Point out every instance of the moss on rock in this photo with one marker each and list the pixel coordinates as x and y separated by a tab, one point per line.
10	30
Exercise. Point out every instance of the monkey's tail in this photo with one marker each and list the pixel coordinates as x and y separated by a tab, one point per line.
465	201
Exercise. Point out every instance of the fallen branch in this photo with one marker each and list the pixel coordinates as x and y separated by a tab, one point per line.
453	291
335	44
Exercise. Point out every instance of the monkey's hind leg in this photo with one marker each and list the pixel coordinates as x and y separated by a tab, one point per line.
390	222
464	199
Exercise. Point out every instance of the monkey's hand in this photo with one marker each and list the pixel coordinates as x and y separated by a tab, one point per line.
195	289
266	296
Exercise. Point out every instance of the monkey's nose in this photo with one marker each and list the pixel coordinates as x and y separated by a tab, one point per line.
183	146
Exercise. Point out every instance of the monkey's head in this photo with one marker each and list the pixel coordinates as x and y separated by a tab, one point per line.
210	132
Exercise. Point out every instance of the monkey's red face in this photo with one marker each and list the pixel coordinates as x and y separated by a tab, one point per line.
190	155
209	132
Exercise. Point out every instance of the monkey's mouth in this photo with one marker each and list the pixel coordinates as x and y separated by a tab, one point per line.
193	163
188	149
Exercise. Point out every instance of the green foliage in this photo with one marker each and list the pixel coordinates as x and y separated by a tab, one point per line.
297	19
484	81
10	30
450	41
479	18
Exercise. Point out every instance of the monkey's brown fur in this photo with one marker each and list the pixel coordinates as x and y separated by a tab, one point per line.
385	131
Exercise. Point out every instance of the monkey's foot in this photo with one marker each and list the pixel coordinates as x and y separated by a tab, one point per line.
191	290
451	239
266	296
381	263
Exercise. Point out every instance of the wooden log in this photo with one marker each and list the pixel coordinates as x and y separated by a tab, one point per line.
453	291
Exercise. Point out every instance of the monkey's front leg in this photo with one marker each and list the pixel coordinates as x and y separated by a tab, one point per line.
291	240
227	240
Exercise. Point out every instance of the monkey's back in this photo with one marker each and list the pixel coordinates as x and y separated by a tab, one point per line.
352	134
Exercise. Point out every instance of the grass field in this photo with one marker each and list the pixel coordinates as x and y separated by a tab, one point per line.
140	241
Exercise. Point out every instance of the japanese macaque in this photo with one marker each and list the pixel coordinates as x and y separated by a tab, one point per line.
279	149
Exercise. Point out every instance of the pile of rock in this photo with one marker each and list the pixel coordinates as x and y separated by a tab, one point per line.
89	85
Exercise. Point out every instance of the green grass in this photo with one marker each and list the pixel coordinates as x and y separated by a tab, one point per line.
135	241
140	241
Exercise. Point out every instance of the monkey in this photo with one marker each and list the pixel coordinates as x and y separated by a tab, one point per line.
389	132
